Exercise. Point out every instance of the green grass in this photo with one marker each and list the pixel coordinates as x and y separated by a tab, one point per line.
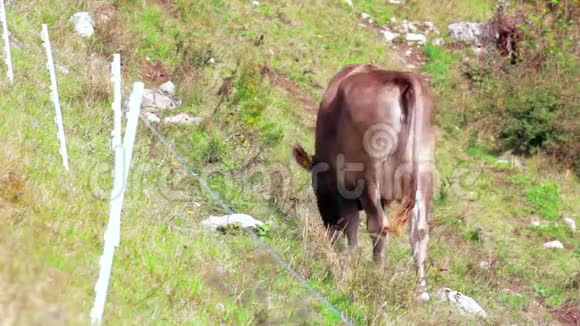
545	199
438	63
167	270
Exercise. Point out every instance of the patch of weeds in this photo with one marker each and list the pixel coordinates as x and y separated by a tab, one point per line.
153	34
271	133
377	11
265	9
553	296
546	200
519	180
513	300
442	195
476	74
438	63
263	230
479	154
214	152
474	235
549	232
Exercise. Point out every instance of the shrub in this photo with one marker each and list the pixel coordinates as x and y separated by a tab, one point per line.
530	105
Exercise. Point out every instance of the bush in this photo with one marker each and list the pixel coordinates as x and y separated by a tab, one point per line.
530	105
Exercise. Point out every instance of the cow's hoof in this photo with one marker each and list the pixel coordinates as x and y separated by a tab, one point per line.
423	297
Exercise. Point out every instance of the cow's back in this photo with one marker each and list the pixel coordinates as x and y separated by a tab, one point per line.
362	107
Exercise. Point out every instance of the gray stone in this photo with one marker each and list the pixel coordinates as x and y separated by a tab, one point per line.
389	36
471	32
62	69
465	304
438	41
154	99
184	119
571	223
83	24
168	88
151	117
556	244
414	37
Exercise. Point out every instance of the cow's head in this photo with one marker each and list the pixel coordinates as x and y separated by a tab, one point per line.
301	157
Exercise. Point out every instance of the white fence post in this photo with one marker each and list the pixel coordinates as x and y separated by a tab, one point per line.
123	154
54	96
5	36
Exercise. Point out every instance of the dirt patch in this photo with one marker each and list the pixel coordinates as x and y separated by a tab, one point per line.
411	53
569	314
154	74
291	88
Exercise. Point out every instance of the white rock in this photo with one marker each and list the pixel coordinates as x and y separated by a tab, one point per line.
413	37
484	264
429	26
61	69
364	15
84	24
255	3
184	119
349	2
243	220
168	87
393	20
571	223
151	117
211	60
466	304
408	53
536	223
390	36
423	297
554	245
473	33
397	2
438	41
412	27
157	100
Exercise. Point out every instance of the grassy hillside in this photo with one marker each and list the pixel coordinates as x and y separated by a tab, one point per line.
280	56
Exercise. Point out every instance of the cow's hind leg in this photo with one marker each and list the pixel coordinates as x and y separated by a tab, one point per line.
351	216
419	237
372	205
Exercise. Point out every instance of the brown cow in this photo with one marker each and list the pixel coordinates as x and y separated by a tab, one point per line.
375	144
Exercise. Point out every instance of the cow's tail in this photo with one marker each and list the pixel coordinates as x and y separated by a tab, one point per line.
416	111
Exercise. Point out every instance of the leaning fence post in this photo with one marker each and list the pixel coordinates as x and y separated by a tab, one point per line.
6	38
54	96
123	153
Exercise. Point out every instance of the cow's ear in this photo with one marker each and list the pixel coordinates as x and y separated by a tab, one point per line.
302	157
